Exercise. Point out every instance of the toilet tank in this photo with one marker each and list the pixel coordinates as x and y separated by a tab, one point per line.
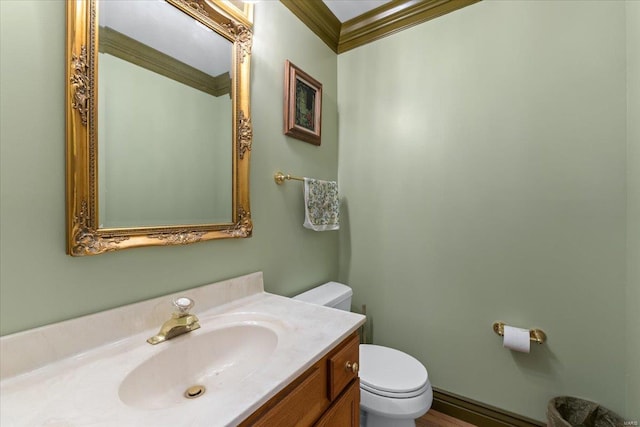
331	294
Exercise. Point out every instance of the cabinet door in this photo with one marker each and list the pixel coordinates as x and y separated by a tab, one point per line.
345	412
343	366
298	405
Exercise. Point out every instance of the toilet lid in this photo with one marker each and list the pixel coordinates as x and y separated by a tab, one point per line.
391	371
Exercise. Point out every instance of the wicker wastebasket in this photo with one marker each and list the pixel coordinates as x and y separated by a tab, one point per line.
567	411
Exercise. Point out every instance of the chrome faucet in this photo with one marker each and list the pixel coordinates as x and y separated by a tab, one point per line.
180	323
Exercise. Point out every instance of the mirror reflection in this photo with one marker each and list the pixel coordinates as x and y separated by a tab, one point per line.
158	123
164	117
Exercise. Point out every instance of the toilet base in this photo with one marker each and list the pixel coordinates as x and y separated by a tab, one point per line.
380	411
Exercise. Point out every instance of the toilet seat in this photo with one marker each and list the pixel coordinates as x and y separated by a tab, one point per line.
396	409
391	373
394	395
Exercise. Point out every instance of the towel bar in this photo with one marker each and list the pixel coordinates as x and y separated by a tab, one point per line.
279	177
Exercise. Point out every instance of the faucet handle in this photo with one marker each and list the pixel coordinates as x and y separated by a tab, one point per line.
183	305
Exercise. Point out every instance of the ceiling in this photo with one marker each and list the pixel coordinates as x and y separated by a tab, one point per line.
345	10
346	24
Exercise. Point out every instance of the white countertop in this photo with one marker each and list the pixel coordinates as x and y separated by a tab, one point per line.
57	389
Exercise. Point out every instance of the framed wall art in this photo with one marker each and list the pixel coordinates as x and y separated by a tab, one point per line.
302	105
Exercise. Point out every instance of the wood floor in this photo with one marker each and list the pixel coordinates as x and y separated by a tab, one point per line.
438	419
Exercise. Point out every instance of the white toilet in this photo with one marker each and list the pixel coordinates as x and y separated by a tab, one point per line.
394	387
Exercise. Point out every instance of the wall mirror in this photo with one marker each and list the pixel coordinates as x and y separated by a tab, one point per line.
158	123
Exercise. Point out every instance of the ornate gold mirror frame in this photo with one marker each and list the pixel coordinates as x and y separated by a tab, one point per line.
84	236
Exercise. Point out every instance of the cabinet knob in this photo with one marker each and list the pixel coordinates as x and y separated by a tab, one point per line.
352	366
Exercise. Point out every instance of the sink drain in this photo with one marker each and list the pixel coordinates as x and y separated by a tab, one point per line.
194	391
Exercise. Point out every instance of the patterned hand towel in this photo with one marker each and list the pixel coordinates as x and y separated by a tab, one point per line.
321	205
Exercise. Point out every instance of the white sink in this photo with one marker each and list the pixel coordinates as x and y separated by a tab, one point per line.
205	362
99	370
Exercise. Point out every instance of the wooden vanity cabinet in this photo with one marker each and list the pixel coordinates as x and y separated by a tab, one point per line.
345	411
325	395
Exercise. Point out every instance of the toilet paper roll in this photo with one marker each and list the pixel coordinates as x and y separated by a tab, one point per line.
516	339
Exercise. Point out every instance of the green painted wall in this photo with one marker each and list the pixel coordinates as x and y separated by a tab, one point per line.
40	284
483	168
633	210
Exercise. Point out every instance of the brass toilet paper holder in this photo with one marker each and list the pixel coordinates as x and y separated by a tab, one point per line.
536	335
